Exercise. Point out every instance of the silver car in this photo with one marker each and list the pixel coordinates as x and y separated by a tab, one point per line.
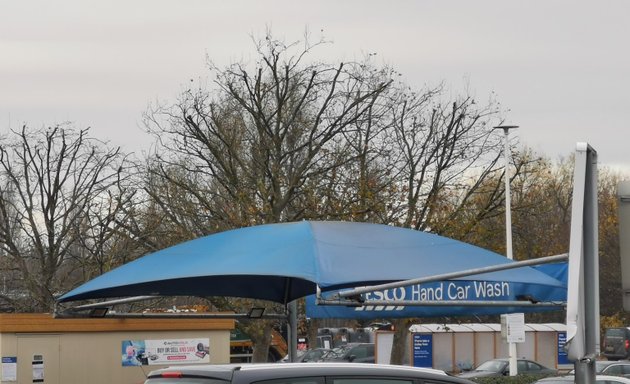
501	367
300	373
599	379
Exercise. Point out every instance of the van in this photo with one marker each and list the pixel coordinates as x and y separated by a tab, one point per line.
617	343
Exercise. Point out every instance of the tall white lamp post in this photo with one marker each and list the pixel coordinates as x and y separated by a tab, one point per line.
508	226
508	202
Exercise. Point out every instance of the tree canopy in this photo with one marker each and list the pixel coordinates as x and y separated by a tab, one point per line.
285	137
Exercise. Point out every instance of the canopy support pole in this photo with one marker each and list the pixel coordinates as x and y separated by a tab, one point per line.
114	302
292	331
70	314
439	303
291	309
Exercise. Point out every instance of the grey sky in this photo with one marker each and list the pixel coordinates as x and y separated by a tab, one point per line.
560	67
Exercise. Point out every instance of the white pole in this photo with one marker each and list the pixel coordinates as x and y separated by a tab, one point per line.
508	202
508	227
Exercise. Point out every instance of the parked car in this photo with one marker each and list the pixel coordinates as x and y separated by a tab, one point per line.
295	373
501	367
313	355
599	379
611	368
351	352
617	343
308	356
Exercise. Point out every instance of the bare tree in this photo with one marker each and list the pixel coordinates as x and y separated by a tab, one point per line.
60	194
446	151
245	151
286	139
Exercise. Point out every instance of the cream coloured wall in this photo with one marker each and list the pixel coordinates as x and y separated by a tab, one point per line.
94	357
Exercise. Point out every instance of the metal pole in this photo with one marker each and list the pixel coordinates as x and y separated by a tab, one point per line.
508	197
450	275
440	303
292	334
508	227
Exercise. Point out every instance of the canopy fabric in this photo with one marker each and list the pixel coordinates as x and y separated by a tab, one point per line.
283	262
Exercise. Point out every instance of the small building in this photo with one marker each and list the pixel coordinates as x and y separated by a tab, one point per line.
458	347
37	348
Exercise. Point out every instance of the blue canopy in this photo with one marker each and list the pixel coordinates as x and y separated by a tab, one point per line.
283	262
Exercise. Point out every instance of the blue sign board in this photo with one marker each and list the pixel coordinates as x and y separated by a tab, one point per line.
423	350
563	358
9	359
454	291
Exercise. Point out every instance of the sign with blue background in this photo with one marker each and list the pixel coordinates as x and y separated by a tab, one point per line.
423	350
563	358
452	290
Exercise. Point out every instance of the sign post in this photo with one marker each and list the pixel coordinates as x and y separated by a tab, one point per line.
513	331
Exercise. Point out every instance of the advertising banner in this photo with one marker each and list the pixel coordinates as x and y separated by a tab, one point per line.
169	351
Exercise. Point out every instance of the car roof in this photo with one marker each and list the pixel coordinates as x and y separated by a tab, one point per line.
605	363
556	379
611	362
507	359
226	371
571	378
348	366
612	378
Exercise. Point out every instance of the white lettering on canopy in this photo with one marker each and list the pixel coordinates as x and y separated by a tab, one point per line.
446	290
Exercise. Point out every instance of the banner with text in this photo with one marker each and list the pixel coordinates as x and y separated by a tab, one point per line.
170	351
456	290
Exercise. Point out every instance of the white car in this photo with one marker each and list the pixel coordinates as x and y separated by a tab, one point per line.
599	379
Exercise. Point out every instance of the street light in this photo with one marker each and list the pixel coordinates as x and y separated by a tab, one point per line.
508	228
508	203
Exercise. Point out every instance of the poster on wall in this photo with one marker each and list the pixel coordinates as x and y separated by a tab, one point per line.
9	368
38	368
563	357
423	350
170	351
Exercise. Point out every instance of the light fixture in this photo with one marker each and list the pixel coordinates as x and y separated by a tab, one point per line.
256	313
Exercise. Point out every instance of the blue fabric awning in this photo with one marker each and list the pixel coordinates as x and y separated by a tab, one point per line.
283	262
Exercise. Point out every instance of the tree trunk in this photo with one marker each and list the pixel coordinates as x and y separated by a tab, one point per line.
312	333
401	334
262	342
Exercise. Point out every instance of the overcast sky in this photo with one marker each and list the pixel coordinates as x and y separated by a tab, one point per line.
560	67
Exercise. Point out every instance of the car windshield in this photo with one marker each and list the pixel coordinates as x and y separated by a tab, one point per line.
338	352
615	332
312	355
600	366
492	366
